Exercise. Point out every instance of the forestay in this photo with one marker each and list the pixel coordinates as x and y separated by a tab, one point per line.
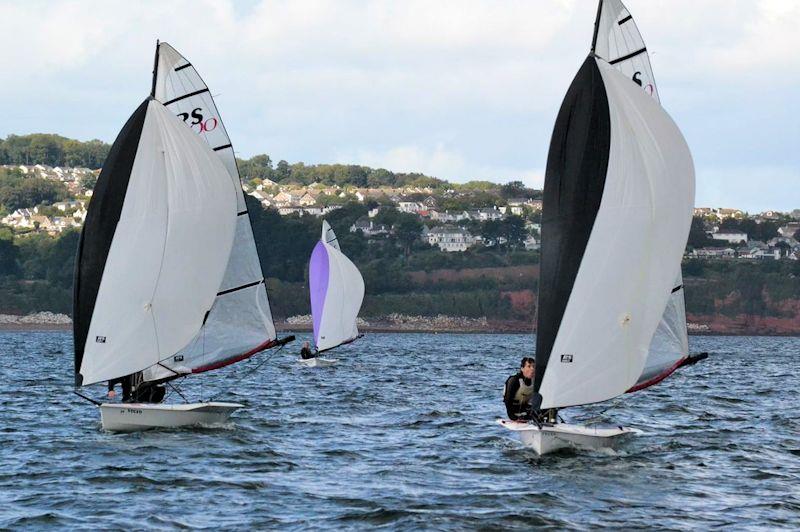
619	191
618	41
162	206
240	321
337	291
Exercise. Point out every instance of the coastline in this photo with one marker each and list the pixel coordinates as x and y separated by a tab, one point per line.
711	326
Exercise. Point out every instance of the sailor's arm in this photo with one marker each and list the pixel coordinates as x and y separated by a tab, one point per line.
510	391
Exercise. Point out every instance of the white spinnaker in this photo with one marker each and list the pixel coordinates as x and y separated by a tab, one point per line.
240	320
617	38
179	212
633	252
344	296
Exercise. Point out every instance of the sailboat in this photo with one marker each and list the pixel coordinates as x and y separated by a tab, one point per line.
168	282
337	290
617	207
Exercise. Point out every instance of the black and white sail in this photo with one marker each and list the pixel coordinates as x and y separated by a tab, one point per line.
154	247
617	206
618	41
168	280
240	322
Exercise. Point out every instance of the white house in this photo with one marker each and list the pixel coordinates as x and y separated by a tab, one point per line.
369	227
450	238
734	237
410	206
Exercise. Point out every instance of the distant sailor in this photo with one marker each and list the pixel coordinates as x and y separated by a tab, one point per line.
518	391
306	352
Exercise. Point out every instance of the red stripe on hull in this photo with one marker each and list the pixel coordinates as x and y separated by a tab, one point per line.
237	358
658	378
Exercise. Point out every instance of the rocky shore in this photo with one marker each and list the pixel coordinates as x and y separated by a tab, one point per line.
697	324
39	321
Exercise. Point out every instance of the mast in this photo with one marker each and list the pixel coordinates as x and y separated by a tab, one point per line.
155	72
597	24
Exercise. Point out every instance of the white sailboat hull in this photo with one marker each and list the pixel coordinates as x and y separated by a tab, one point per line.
551	438
317	362
133	417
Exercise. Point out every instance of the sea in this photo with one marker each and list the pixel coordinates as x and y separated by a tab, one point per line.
401	435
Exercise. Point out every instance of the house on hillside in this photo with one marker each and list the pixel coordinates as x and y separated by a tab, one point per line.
789	229
369	227
733	237
449	238
484	214
410	206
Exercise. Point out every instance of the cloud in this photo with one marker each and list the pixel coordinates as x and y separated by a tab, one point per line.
466	89
440	162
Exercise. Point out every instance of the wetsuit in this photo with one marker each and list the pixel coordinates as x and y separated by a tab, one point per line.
306	353
144	392
126	387
517	394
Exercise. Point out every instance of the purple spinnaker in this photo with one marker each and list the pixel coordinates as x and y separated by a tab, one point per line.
318	272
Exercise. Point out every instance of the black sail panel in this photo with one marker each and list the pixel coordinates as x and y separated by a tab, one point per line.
99	228
574	180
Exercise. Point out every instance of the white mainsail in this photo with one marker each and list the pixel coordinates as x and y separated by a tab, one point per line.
635	242
337	291
618	41
176	211
240	321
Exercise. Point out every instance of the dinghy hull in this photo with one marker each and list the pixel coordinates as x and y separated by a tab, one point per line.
551	438
134	417
317	362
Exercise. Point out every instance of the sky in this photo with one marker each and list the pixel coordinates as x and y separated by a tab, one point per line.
462	90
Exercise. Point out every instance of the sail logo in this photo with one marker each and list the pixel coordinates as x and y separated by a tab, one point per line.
638	80
206	124
100	339
566	359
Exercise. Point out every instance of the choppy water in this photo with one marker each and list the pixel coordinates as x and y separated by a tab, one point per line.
400	435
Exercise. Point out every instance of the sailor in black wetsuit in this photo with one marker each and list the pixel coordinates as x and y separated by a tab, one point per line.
306	352
518	391
136	391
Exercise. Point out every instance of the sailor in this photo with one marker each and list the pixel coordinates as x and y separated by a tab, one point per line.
134	390
126	388
306	352
518	391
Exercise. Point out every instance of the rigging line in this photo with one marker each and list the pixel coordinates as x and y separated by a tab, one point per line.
253	370
178	391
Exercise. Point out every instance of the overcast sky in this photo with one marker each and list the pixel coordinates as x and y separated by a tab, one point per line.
461	90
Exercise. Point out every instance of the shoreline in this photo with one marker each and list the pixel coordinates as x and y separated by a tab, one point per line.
283	327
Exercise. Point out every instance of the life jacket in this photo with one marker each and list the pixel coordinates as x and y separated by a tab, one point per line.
525	392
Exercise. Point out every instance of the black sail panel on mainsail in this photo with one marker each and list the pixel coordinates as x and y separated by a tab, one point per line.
98	230
577	163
